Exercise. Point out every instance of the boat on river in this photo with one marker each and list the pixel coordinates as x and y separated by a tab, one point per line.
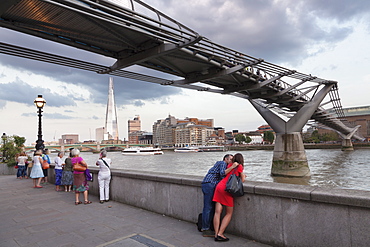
187	150
142	151
213	148
196	149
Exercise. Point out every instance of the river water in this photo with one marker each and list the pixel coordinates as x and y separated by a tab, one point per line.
329	167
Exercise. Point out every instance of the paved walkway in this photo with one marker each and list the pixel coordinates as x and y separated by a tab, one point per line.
43	217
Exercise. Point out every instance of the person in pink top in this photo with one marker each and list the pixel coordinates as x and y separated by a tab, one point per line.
80	184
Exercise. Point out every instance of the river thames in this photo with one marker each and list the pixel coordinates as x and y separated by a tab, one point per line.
329	167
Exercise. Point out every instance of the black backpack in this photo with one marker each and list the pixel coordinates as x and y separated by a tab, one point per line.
199	223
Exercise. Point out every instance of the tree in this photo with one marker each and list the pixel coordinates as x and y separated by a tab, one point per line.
19	141
248	139
13	146
331	136
268	136
240	138
316	137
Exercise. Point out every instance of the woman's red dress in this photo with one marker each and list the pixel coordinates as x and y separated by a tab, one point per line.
222	196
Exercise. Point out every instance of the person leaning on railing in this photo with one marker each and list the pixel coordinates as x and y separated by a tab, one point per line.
104	176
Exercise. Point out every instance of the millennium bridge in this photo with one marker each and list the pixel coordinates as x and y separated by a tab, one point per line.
91	147
144	36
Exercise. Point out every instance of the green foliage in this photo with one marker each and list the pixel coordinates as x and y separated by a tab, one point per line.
240	138
268	136
19	141
12	145
315	137
248	139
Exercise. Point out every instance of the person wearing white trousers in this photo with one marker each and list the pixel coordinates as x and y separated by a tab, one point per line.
104	176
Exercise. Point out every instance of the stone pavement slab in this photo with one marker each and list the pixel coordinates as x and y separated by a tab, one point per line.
31	217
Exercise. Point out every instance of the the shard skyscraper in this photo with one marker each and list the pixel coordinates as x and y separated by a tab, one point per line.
111	126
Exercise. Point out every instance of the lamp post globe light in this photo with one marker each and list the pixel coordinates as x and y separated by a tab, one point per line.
40	103
4	139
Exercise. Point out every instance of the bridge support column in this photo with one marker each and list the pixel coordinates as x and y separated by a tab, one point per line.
289	158
346	142
347	145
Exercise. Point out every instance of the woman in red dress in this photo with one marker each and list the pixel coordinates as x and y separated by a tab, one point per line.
224	198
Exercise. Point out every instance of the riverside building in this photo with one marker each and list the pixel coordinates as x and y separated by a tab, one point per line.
134	130
172	132
356	116
162	131
191	134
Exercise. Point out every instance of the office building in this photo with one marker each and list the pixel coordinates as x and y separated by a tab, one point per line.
69	139
111	125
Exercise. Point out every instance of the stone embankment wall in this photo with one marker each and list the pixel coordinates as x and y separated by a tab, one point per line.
271	213
7	170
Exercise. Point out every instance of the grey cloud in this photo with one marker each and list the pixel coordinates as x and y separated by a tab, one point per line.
28	114
340	10
95	117
21	92
57	116
139	103
277	31
48	115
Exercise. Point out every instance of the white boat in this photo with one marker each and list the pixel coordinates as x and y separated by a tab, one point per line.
142	151
213	148
187	150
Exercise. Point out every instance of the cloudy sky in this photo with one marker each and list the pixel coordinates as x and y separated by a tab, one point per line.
328	39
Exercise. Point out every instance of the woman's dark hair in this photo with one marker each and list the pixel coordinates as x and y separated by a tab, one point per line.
239	159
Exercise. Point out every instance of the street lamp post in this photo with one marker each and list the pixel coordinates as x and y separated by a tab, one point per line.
40	103
4	139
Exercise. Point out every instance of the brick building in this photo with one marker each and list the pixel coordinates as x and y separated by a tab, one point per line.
357	116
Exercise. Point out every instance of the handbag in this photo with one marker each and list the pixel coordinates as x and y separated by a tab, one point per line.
79	168
45	164
88	175
16	166
234	185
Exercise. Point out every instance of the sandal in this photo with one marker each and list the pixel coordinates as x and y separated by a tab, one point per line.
76	203
221	239
101	201
87	202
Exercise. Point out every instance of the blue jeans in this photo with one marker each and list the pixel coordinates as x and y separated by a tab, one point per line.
209	206
21	172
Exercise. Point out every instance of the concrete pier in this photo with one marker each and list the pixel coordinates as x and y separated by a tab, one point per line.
289	158
347	145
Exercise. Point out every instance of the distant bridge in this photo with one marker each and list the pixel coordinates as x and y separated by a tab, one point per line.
86	147
146	37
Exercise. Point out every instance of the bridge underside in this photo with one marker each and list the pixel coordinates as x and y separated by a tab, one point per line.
157	42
